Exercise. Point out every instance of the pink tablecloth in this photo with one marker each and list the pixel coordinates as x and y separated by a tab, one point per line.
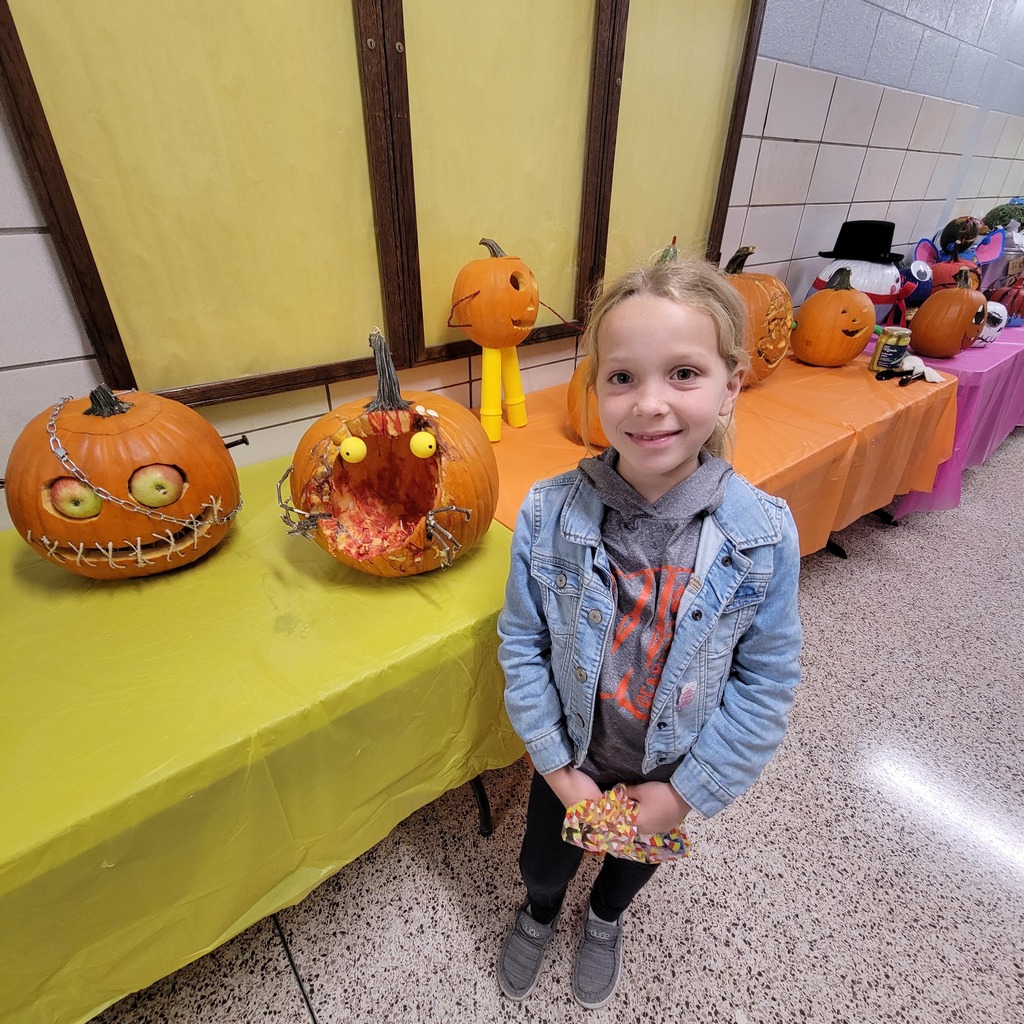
990	404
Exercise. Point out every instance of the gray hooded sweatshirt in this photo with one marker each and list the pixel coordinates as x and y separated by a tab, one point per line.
651	550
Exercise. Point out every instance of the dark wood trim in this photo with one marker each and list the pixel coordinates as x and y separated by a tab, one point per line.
732	142
260	385
46	173
380	32
602	129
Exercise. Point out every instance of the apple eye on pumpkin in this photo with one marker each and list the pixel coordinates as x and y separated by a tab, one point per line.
70	497
156	485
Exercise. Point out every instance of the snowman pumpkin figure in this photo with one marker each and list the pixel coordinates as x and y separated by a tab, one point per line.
865	247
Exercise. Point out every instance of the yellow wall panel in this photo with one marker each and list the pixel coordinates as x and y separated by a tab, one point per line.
679	80
498	97
216	153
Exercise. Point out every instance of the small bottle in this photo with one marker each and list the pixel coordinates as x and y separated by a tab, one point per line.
890	348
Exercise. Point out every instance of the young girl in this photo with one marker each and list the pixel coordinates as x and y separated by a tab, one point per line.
650	633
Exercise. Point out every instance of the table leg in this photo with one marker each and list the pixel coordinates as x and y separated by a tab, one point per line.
483	805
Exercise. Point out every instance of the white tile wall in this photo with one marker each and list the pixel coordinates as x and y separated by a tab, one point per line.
883	153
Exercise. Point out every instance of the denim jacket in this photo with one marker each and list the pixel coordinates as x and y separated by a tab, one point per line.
733	665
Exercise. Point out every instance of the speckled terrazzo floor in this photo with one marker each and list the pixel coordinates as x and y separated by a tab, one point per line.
875	874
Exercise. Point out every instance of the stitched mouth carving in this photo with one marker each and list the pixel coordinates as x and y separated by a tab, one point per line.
166	545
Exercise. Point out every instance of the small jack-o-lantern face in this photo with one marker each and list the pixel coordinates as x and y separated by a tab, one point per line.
834	325
395	486
949	320
495	299
118	487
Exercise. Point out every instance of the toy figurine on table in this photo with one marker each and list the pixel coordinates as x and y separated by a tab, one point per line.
496	299
964	243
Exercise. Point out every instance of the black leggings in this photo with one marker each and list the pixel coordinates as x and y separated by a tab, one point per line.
548	863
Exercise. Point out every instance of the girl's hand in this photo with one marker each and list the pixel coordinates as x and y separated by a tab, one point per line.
571	786
661	808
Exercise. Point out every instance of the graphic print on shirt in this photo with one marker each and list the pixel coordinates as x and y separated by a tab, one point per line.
661	592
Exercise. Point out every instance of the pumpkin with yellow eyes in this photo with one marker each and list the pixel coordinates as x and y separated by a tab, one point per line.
834	325
395	486
115	487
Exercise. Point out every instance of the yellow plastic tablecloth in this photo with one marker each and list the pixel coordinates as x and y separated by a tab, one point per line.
183	755
833	441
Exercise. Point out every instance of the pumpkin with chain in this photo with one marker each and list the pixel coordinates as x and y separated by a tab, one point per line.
120	486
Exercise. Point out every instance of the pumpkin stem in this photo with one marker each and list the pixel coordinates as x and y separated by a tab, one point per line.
739	258
388	394
840	280
492	247
962	278
670	253
103	402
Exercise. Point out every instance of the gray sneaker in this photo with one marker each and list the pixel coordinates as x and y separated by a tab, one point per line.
598	963
522	954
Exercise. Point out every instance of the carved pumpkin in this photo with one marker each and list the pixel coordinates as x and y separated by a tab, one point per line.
769	316
1010	293
587	429
949	320
495	299
395	486
119	487
834	325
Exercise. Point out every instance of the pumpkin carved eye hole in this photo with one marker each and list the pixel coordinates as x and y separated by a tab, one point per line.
516	280
156	485
979	316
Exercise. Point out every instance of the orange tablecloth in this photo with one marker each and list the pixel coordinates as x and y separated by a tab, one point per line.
834	442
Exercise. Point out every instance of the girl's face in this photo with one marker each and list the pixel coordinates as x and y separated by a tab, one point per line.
661	386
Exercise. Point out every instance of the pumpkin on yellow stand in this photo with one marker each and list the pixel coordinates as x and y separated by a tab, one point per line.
497	297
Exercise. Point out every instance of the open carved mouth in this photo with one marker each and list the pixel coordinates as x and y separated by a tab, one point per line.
167	544
853	333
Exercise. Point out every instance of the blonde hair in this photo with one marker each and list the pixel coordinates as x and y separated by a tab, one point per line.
692	282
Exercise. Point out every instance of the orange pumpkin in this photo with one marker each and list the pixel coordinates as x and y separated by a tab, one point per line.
949	320
495	298
577	395
834	325
120	487
769	316
395	486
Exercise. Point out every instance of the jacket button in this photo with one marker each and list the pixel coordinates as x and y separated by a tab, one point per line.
594	616
696	615
581	674
560	581
727	561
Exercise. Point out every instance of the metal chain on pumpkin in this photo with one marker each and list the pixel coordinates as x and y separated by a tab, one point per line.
66	461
